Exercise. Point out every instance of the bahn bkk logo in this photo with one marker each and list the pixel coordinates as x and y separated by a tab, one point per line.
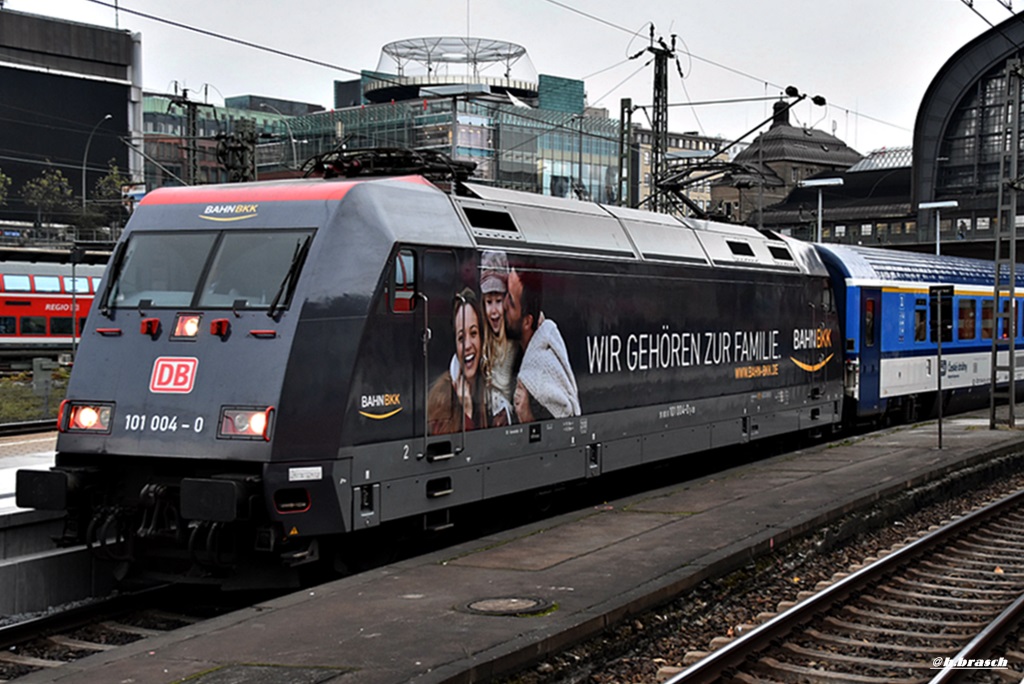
812	338
382	405
173	375
229	212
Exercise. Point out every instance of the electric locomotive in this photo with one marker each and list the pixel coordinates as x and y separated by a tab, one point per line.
274	370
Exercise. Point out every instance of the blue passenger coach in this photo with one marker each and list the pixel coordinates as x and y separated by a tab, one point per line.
888	324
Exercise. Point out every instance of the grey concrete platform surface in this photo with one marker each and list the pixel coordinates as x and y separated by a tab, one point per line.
407	622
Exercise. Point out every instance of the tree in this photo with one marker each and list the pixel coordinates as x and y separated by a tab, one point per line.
50	194
107	202
5	184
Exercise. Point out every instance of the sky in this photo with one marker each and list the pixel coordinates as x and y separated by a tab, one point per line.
872	60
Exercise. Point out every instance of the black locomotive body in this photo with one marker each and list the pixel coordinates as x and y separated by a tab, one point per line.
270	367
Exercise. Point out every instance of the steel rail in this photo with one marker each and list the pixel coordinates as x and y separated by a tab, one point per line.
25	427
716	664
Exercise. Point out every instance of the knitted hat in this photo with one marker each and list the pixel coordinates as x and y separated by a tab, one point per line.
493	272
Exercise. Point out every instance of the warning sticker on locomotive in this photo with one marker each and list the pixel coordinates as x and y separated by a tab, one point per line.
173	375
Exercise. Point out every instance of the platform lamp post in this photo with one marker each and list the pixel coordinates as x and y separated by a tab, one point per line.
291	136
819	183
938	207
85	156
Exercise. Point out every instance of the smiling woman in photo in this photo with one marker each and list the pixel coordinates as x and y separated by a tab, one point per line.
456	399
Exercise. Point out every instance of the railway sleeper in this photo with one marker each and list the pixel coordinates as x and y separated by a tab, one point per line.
869	663
985	567
772	669
79	644
968	586
953	614
912	649
997	600
28	661
911	620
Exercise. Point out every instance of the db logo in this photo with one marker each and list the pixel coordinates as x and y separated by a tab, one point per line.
173	375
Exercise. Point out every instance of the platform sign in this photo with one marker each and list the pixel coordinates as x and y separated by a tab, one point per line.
941	297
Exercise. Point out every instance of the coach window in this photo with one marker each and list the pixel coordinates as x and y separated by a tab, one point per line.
47	283
33	325
967	318
403	281
1003	332
17	283
60	325
8	325
921	320
987	310
1018	310
869	323
78	284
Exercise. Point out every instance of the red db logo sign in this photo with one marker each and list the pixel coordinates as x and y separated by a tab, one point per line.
173	375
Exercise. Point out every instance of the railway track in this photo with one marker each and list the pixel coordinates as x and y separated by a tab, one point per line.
926	612
62	636
28	427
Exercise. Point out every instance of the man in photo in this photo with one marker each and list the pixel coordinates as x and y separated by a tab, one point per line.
546	385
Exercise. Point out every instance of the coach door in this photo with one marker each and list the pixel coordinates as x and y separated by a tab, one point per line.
870	349
438	287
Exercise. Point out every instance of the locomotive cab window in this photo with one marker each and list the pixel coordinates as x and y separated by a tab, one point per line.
8	325
403	282
827	301
213	270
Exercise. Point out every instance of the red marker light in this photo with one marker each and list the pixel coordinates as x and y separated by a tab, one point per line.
221	327
150	326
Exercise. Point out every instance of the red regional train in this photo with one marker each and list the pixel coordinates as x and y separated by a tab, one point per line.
36	303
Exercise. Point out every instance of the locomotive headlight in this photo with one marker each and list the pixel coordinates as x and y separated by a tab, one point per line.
241	421
258	423
246	423
186	326
84	417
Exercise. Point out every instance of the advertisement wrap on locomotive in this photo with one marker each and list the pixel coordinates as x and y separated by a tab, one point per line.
274	369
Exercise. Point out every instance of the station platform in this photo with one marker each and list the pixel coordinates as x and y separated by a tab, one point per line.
22	451
443	617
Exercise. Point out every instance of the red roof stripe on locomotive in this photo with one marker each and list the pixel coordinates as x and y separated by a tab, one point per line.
259	192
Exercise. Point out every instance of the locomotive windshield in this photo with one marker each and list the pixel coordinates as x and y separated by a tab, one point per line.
210	270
